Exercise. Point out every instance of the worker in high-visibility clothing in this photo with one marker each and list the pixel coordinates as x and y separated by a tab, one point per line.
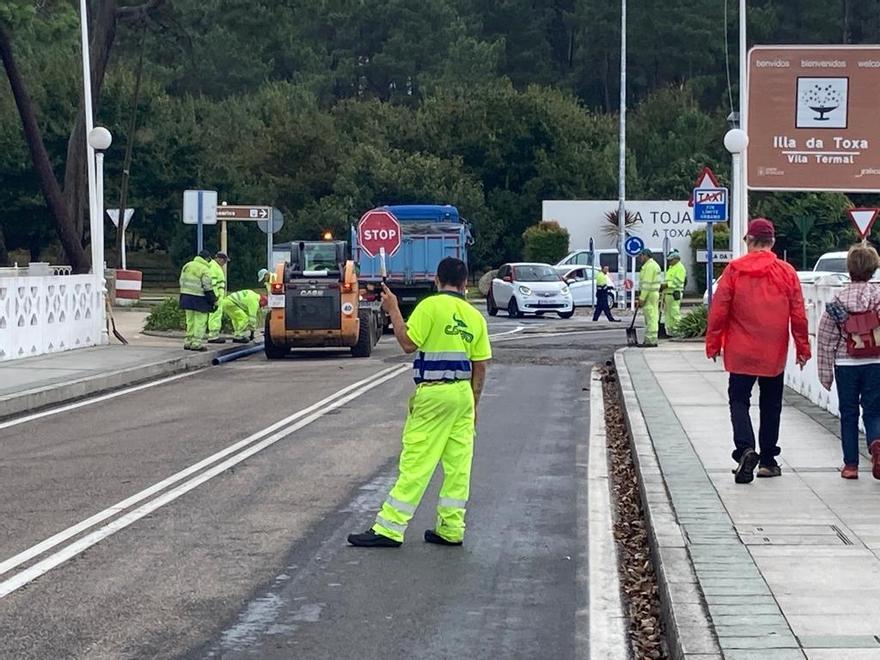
452	341
218	281
266	277
602	306
649	296
197	299
243	310
673	291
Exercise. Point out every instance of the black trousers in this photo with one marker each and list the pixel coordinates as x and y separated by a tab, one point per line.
602	304
739	392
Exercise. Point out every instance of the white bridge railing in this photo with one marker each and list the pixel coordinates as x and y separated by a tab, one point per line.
49	313
806	382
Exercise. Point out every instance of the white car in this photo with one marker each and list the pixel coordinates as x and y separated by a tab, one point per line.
580	282
529	288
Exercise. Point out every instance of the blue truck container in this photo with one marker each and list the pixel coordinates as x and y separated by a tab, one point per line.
429	233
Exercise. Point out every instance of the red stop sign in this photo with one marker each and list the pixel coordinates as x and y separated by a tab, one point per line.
379	229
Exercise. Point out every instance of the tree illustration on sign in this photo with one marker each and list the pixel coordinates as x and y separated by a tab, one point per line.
822	99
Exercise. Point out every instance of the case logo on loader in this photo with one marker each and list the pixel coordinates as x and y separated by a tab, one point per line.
459	328
310	292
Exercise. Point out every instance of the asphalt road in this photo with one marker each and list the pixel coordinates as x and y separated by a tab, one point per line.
251	561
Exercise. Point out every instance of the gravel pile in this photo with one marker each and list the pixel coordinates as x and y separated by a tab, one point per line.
638	579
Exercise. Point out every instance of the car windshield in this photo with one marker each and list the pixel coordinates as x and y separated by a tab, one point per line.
831	265
321	256
535	273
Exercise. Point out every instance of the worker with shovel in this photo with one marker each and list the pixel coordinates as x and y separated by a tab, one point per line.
649	296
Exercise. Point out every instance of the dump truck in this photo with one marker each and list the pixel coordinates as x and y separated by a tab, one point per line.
429	233
316	301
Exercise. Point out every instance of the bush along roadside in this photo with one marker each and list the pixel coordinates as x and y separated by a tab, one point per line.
694	324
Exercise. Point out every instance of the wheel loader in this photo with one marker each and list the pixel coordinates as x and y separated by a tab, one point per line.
315	301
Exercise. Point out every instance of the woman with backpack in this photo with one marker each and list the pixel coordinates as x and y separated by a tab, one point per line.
849	353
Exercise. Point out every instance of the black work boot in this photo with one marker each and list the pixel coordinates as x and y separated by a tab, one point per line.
745	471
370	539
217	340
433	537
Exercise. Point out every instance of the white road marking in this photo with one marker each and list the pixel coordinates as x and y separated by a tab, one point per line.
518	328
50	562
119	507
89	402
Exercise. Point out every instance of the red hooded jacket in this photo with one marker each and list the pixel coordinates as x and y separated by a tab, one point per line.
758	300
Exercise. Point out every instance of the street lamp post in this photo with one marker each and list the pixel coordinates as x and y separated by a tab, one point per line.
621	170
736	141
94	219
99	140
740	218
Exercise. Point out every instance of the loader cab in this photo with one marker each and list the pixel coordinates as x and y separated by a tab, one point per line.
316	259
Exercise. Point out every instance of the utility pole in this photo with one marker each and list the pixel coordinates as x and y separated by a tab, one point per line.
621	195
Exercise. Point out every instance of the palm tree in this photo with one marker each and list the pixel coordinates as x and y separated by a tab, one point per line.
611	229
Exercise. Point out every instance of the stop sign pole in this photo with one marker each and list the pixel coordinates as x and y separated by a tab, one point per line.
377	230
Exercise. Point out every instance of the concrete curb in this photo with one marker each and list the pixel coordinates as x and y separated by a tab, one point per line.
58	393
689	631
608	639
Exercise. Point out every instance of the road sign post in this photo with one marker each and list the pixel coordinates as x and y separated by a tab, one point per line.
593	266
200	209
379	229
114	218
711	205
633	246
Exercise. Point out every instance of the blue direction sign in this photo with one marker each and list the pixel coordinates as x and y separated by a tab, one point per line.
710	205
633	246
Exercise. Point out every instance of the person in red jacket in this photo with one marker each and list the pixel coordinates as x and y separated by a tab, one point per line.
758	302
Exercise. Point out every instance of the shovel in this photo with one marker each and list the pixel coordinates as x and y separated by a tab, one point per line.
632	338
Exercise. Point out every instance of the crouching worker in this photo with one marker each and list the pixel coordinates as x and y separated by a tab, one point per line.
451	342
243	310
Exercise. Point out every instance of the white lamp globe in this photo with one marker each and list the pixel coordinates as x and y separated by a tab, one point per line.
100	138
736	141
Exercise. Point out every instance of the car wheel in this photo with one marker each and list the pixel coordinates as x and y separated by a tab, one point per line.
491	307
566	315
513	309
612	300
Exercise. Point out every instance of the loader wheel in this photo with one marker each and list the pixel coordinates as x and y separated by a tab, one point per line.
364	346
273	351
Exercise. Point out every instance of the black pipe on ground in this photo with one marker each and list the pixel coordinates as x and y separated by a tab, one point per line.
240	353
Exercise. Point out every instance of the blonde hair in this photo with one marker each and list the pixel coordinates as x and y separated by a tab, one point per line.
861	262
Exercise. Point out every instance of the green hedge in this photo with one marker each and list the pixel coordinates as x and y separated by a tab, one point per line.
694	324
545	242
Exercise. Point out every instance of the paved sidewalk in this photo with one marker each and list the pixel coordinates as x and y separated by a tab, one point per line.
776	569
45	380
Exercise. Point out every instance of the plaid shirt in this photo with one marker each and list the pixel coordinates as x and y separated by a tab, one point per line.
830	342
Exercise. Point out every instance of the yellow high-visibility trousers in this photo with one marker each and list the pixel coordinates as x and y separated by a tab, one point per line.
196	328
439	429
672	309
215	320
651	310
